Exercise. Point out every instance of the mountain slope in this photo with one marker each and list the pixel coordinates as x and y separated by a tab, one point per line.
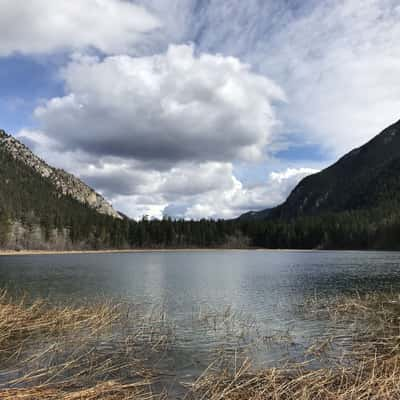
45	208
365	178
67	184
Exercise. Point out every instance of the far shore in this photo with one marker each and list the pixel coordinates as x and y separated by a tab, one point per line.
148	250
116	251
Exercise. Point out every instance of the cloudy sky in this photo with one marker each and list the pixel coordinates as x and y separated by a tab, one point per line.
197	108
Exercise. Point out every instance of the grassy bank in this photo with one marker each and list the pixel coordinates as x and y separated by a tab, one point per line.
93	352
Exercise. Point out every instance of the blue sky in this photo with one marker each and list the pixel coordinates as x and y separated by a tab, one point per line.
197	108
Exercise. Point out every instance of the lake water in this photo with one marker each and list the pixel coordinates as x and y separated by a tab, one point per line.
264	290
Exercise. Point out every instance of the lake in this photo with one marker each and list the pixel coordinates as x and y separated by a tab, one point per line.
262	292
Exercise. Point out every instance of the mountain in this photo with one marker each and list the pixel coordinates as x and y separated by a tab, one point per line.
67	184
42	207
366	178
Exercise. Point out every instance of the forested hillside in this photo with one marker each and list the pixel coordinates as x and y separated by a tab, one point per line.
34	214
353	204
366	178
65	183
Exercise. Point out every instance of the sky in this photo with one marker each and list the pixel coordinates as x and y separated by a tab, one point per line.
197	108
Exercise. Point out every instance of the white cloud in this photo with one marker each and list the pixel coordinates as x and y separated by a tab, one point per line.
138	191
43	26
342	65
187	189
208	190
290	176
164	108
160	132
239	199
338	61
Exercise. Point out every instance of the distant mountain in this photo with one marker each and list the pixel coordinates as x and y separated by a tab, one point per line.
67	184
365	178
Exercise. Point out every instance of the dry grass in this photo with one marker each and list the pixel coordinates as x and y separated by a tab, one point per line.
94	352
22	324
83	353
370	369
375	378
110	390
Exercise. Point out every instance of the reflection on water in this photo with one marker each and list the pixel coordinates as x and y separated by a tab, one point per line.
213	299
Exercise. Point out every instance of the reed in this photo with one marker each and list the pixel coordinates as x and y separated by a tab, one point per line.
87	352
110	351
368	369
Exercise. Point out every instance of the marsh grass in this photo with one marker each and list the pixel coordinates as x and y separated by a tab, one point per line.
368	368
87	352
112	351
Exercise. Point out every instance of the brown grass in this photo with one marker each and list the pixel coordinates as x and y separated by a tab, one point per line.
74	353
93	353
111	390
370	369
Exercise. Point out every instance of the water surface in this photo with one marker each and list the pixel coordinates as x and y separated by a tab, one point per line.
264	290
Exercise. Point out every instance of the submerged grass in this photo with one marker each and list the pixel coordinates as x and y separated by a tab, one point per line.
110	351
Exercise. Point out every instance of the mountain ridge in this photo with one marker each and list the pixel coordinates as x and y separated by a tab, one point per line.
66	183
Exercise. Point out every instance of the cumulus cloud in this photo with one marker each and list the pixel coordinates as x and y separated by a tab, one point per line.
206	190
183	180
337	61
160	133
241	198
169	107
190	189
42	26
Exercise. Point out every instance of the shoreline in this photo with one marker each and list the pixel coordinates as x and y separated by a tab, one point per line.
10	253
115	251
